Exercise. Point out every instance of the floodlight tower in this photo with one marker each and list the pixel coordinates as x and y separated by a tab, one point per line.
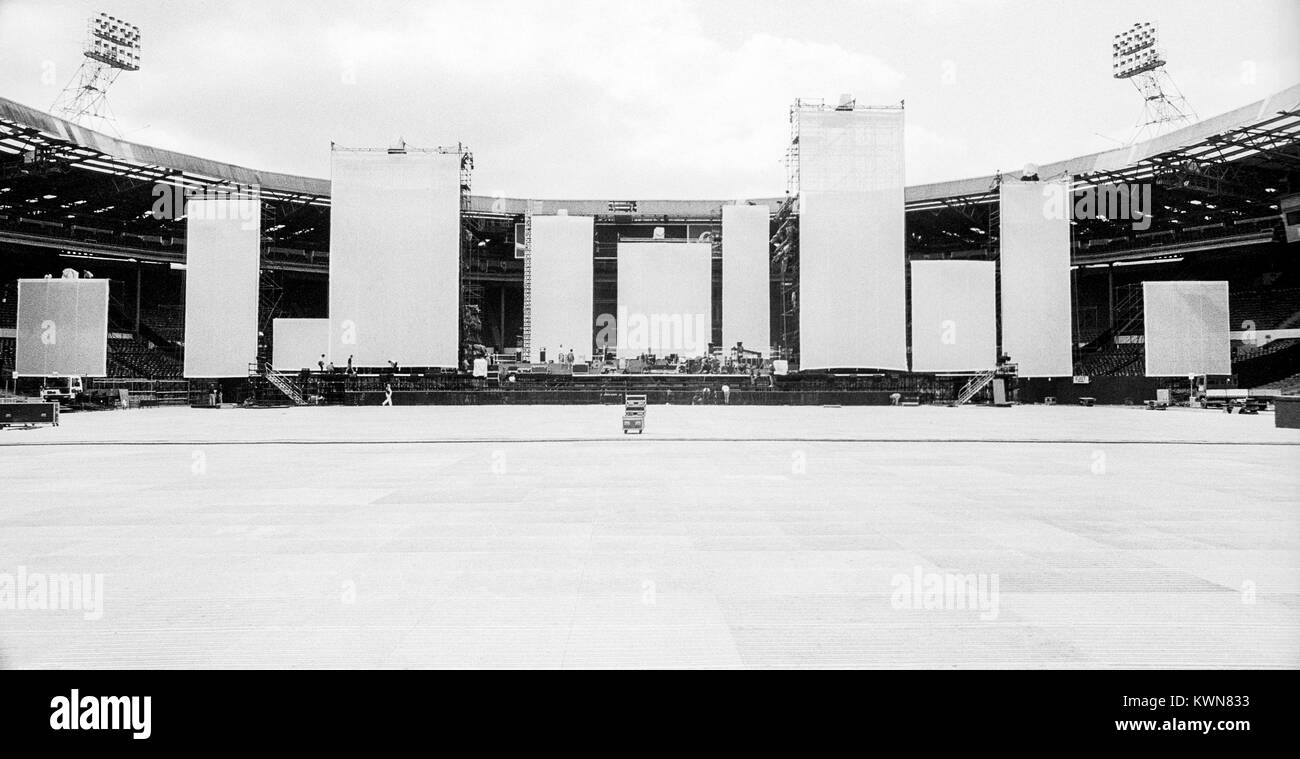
1137	58
112	46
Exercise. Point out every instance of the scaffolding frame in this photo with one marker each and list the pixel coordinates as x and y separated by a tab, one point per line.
529	208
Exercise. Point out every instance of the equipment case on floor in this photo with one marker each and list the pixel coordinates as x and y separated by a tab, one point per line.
634	414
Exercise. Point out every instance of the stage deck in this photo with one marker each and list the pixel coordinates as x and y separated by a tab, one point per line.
541	536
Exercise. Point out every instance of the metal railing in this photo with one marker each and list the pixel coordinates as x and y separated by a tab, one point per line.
976	384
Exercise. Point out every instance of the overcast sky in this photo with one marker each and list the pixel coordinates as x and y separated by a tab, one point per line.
641	100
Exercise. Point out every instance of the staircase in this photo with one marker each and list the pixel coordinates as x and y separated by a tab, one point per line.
283	384
1104	354
976	384
1129	314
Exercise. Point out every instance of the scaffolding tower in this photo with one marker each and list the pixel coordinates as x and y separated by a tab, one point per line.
471	291
528	280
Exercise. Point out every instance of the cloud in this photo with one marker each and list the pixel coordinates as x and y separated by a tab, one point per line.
623	99
925	145
614	98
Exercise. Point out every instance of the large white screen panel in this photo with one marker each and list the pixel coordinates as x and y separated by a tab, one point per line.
62	328
954	316
746	288
1187	328
852	284
1035	252
562	286
665	297
395	257
222	256
299	344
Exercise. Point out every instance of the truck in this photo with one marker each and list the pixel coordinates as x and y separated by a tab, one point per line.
61	389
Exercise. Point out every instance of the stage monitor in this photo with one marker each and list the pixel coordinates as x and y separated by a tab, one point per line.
394	279
1035	259
852	280
665	298
746	283
561	289
954	316
62	328
222	260
1186	327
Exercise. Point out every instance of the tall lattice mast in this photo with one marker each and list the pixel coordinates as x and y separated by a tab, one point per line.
1137	57
112	46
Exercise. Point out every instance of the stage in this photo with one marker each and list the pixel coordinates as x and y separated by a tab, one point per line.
723	537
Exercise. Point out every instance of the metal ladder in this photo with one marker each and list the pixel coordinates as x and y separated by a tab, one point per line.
284	385
976	384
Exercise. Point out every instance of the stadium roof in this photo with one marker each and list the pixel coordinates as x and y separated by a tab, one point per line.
1253	129
66	187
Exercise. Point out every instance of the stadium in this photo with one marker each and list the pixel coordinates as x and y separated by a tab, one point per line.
383	419
74	199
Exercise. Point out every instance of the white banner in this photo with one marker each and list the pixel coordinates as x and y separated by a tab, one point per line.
1035	259
62	328
954	316
222	260
852	284
665	297
562	286
394	283
298	344
746	285
1186	327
